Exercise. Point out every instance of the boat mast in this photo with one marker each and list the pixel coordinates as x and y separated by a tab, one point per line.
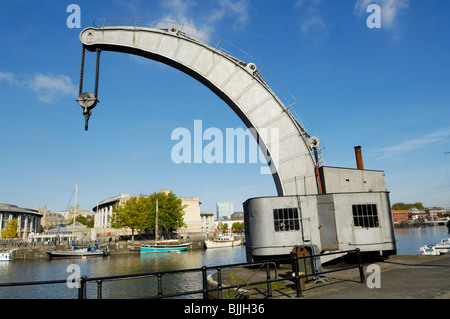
74	212
156	222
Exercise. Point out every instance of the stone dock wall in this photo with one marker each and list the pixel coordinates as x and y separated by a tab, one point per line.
119	248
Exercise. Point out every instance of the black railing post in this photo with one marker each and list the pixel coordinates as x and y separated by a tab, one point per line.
360	265
205	283
99	289
82	288
313	268
269	284
295	273
160	287
219	283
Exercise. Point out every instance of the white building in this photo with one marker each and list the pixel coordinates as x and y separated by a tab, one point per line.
208	224
224	209
103	213
28	220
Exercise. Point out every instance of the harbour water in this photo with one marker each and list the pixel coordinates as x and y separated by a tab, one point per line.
46	269
408	242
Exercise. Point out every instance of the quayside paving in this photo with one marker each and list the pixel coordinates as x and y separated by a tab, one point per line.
401	277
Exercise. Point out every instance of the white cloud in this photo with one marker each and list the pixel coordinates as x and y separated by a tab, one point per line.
311	19
48	87
234	12
389	10
237	11
415	144
7	77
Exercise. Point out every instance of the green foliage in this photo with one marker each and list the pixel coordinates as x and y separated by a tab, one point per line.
403	206
170	211
131	213
237	226
10	230
222	227
139	213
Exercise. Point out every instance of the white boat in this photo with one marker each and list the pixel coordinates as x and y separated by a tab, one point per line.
444	246
6	255
429	250
223	240
440	248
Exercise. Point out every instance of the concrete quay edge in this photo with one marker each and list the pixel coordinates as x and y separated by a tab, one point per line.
400	277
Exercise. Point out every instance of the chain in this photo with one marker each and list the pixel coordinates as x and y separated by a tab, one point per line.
97	70
80	88
86	99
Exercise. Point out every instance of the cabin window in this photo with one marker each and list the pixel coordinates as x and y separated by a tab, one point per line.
365	216
286	219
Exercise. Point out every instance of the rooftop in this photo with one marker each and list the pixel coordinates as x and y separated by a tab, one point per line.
17	209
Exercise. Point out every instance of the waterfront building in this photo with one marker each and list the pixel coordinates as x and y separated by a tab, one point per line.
224	209
401	216
29	220
192	217
53	219
237	216
49	219
103	212
207	219
437	213
420	215
62	234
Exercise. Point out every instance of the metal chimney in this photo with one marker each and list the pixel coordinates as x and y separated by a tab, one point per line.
359	160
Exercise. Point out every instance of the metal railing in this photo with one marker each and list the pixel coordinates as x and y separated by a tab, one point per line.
205	291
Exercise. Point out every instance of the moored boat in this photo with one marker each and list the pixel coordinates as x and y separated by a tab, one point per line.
444	246
441	248
6	255
429	250
83	252
77	252
163	248
223	240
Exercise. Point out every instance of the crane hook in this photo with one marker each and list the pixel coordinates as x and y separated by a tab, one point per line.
87	101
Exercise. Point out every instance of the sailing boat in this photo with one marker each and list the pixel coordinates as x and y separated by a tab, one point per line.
162	246
82	252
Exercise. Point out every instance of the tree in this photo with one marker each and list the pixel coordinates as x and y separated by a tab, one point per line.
10	230
170	211
139	213
403	206
222	227
132	213
237	226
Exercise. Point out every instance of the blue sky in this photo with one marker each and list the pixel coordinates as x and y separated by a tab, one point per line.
386	89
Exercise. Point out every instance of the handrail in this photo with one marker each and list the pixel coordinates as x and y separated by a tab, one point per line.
205	290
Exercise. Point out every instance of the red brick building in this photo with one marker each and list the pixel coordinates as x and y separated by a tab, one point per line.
399	216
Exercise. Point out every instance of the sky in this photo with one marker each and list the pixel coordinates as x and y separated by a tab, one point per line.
384	88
